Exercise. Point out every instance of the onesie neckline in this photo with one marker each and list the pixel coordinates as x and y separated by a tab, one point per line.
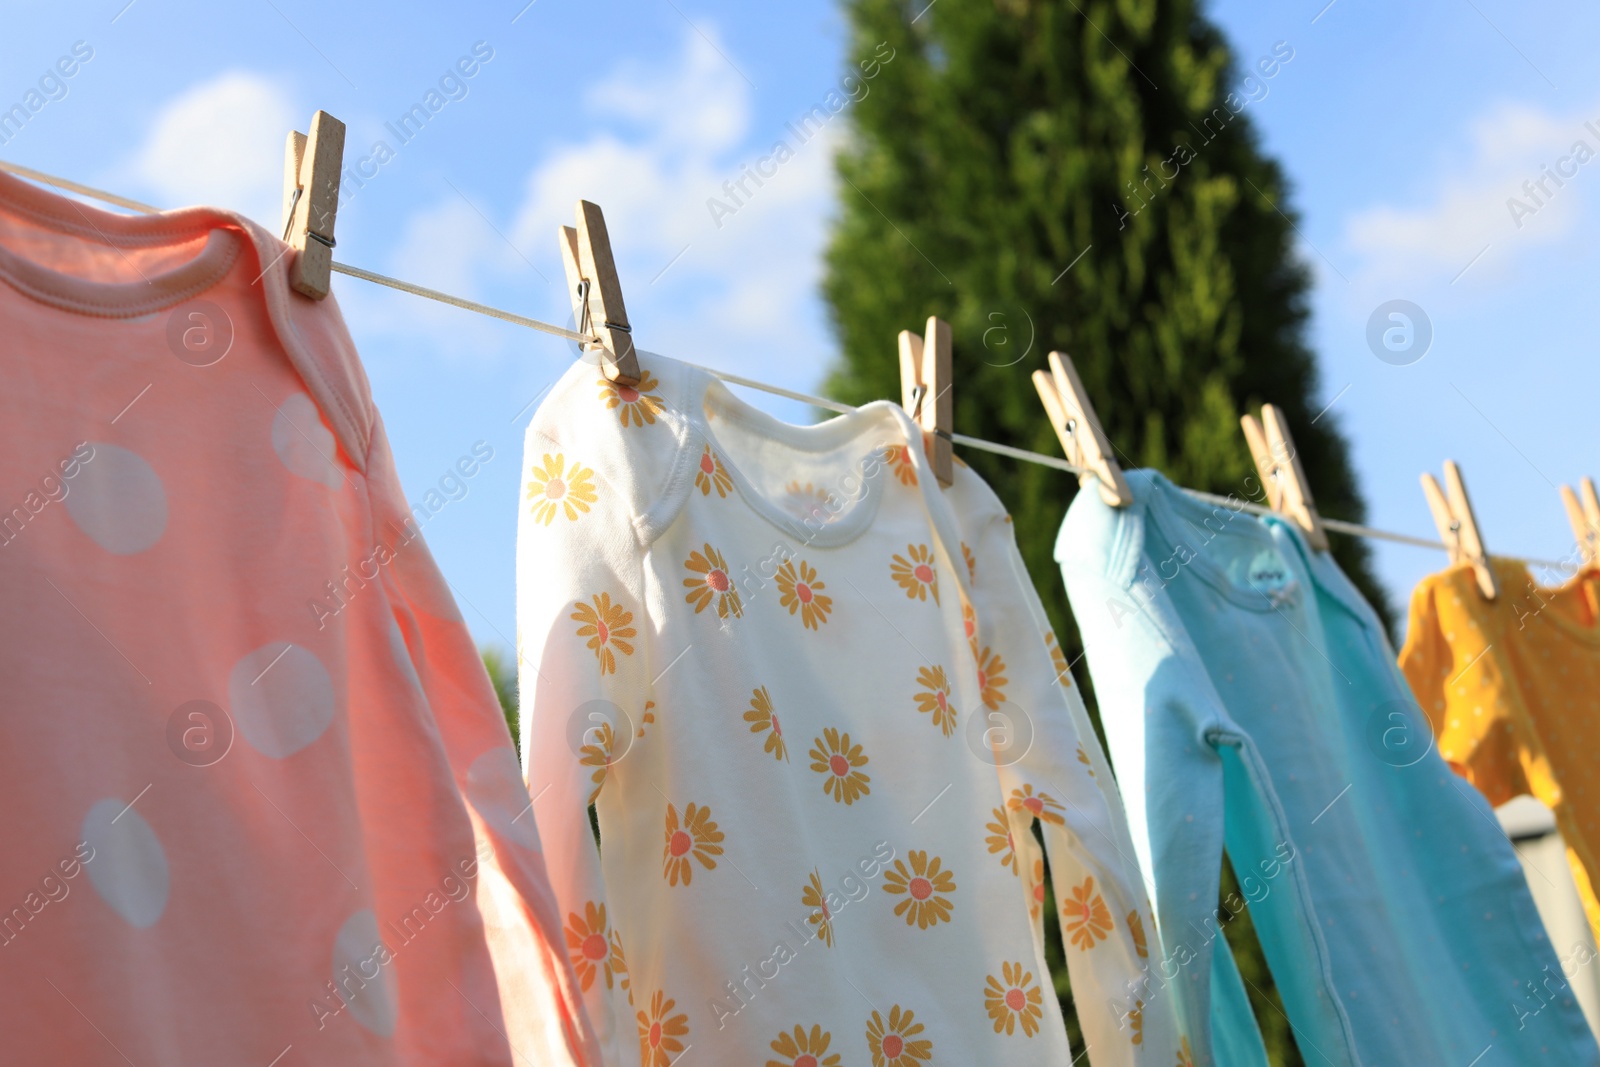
73	221
710	402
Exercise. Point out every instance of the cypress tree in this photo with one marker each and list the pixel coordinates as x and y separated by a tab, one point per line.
1081	175
503	675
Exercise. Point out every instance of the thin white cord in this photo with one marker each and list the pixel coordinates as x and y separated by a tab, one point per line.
815	401
84	190
342	268
1337	525
456	301
1235	503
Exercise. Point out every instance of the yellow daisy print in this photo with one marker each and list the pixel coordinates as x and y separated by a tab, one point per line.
1058	659
1085	917
1185	1055
800	590
698	837
935	698
619	965
1036	891
660	1030
1136	1021
1001	841
1013	1001
991	677
923	885
804	1049
836	759
896	1044
587	944
972	562
1040	805
916	575
711	584
638	405
813	502
556	490
1136	930
813	897
597	754
899	457
763	719
969	622
712	475
1083	758
608	627
648	717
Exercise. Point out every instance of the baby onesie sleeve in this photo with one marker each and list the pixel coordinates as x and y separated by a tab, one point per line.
1053	773
1163	721
581	636
540	1010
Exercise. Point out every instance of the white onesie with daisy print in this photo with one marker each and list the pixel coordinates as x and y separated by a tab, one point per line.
816	707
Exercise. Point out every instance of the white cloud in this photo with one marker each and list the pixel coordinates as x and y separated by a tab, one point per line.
705	104
665	138
1427	244
220	142
740	295
446	247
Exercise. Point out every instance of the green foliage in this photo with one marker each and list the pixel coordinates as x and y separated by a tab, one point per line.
1072	175
1240	931
1055	956
1008	141
503	673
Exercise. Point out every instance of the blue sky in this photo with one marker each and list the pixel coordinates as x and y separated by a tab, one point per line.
1404	130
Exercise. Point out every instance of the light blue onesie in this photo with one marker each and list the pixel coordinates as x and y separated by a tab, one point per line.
1251	699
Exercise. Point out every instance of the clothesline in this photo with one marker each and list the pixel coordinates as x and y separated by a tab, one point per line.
1351	528
1337	525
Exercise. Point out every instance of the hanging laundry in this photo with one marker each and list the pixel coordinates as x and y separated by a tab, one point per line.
261	802
1511	688
1250	698
818	713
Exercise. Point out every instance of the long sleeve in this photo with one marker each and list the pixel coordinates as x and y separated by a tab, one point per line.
581	621
1144	597
1161	715
1155	714
1053	772
531	989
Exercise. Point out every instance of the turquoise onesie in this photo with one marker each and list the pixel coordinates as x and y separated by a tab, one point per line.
1251	701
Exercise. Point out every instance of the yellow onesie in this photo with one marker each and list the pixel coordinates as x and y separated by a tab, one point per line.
1511	688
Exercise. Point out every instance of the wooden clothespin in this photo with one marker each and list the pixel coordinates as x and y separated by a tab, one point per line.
1458	526
597	294
311	167
925	379
1585	518
1281	474
1078	427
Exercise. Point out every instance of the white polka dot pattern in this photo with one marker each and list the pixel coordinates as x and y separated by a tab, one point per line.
304	443
128	867
282	698
118	500
364	979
